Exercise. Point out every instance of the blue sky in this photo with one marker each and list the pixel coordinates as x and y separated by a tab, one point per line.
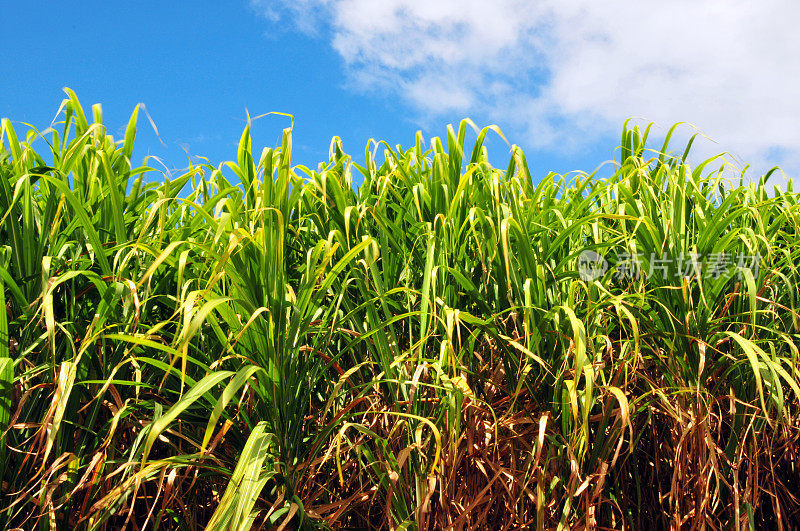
559	78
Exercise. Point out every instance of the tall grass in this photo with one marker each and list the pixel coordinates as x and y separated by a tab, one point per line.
416	352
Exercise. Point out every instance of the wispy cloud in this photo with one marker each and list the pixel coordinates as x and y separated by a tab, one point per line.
566	72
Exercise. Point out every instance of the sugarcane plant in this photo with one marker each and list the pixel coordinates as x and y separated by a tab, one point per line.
410	340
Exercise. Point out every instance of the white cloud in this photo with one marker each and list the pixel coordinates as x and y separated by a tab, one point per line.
561	70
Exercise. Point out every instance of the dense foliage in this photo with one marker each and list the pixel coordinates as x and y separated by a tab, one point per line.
285	348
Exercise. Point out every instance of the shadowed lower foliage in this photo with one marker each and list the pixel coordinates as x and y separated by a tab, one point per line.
266	345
